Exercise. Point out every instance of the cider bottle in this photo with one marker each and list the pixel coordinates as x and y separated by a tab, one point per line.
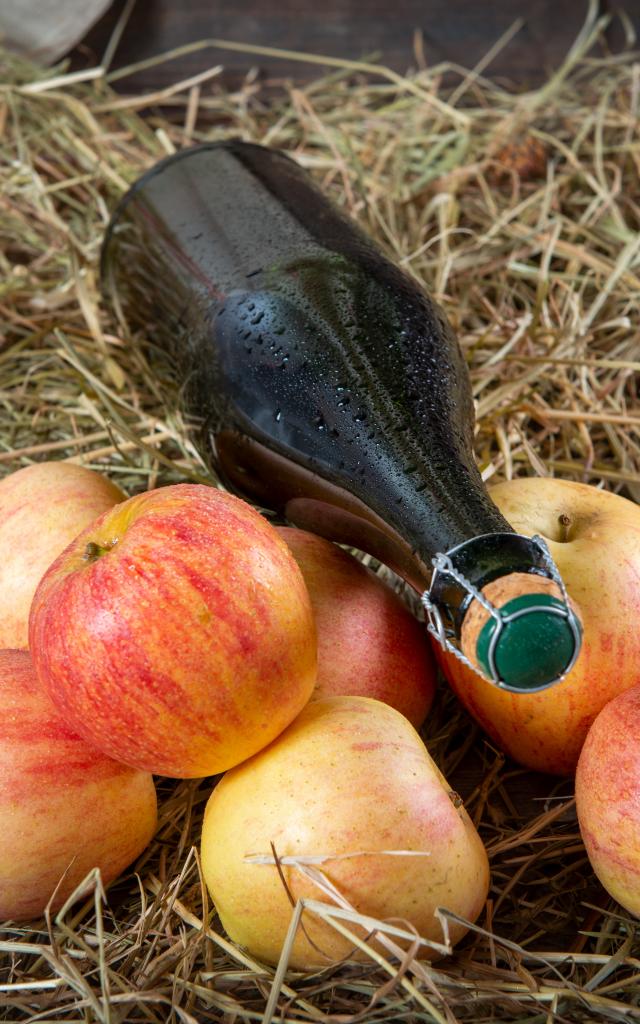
329	387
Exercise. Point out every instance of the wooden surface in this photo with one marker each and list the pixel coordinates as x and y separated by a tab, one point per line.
459	31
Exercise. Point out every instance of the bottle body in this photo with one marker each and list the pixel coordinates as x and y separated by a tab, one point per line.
324	380
326	384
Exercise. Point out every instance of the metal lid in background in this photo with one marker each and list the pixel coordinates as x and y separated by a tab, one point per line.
45	30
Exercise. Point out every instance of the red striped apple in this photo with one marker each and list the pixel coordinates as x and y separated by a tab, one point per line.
65	808
594	539
42	508
608	798
369	643
176	632
349	782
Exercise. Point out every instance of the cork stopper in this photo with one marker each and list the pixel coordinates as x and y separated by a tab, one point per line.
532	638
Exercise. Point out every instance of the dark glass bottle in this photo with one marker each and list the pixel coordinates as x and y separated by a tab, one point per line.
327	384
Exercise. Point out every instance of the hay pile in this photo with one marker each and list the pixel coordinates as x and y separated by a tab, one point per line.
521	214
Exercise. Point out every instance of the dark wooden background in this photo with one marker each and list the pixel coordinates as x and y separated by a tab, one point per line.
460	31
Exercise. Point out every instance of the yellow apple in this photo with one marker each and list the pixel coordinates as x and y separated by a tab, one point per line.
348	780
369	643
42	508
608	798
594	539
65	808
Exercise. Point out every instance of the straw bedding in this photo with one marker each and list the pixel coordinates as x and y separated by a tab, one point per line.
521	214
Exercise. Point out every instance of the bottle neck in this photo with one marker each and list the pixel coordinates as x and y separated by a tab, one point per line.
473	564
404	534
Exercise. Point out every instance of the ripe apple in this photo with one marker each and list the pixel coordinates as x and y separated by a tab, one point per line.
594	539
349	780
42	508
176	632
65	808
369	643
608	798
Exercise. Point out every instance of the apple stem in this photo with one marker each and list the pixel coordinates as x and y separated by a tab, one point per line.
565	525
94	551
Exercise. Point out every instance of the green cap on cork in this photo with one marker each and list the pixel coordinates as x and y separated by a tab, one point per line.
530	643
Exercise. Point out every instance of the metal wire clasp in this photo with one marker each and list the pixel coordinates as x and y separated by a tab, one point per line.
442	563
435	626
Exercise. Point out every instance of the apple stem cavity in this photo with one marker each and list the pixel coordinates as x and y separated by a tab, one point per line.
93	551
